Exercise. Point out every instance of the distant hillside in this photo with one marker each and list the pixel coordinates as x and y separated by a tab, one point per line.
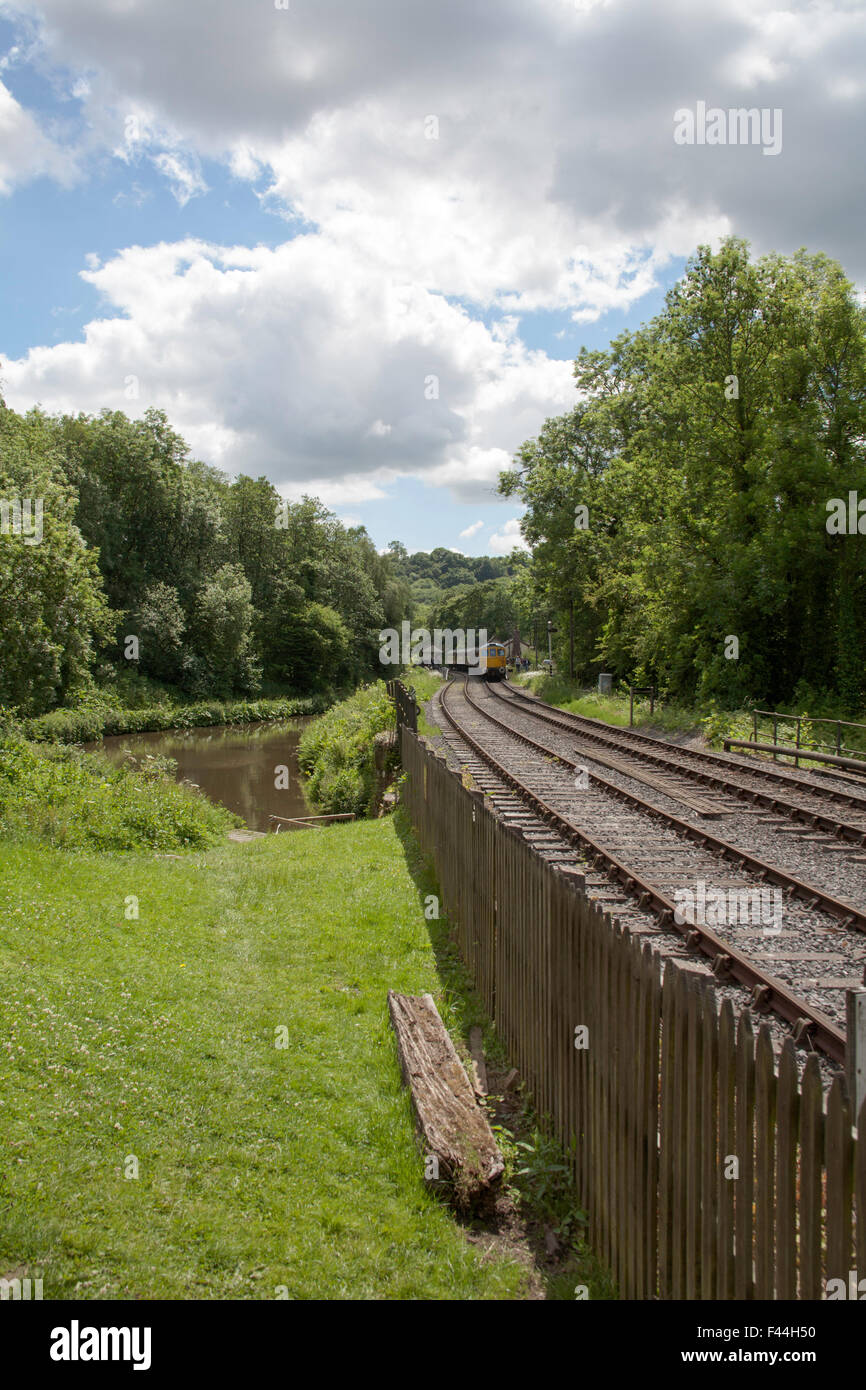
435	577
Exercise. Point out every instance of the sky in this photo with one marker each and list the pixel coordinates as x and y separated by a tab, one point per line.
356	245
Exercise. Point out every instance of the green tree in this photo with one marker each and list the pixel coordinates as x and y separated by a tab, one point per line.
53	612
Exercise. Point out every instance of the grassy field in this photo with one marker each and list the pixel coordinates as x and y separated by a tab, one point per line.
229	1045
612	709
816	709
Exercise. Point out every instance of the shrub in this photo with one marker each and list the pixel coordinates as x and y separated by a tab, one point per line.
337	752
82	800
87	724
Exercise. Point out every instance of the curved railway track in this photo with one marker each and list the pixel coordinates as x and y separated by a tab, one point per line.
816	804
646	850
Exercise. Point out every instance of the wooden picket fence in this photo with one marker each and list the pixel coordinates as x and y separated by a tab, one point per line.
709	1167
404	704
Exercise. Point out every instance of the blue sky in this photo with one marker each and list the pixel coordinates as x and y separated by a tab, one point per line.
282	226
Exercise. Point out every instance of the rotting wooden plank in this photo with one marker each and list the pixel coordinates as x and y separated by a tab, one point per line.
811	1154
765	1172
787	1110
652	1082
453	1128
595	1012
666	1195
314	820
680	1152
860	1194
614	1096
727	1185
580	981
838	1157
692	1140
639	981
744	1148
618	1232
709	1146
625	1073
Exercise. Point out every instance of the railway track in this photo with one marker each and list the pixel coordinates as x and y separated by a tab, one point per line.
650	853
838	810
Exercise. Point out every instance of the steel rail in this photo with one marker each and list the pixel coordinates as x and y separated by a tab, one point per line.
760	766
848	914
649	751
811	1026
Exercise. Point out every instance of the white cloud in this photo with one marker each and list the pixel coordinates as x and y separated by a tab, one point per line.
504	541
25	153
554	184
183	177
554	180
276	360
471	531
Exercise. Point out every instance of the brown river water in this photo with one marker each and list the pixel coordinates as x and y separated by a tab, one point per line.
236	766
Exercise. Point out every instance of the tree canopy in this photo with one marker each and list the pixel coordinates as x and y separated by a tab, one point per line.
683	501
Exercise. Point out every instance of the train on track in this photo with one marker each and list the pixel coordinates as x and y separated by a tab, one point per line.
489	660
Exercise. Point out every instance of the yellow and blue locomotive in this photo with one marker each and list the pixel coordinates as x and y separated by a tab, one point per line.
493	660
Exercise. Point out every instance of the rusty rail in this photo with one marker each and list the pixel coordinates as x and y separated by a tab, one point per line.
811	1023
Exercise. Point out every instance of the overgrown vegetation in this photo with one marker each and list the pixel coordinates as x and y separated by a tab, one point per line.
423	685
337	752
613	708
72	799
96	720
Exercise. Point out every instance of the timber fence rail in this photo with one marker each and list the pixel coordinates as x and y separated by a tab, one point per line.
708	1166
405	705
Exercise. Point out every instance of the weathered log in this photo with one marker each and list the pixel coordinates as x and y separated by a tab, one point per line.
453	1129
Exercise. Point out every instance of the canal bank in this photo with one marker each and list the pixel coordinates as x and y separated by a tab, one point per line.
251	770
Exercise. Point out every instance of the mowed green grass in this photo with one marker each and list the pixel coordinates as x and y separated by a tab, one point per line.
261	1169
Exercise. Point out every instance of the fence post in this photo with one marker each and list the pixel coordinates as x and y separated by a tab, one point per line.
797	743
838	737
652	698
631	706
754	725
855	1047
